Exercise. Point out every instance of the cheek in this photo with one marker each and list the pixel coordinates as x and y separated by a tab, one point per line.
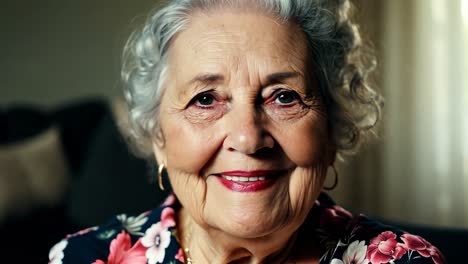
189	148
305	143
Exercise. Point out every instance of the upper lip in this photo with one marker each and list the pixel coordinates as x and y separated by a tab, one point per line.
250	173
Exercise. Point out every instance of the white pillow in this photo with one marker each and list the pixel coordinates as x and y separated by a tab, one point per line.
33	173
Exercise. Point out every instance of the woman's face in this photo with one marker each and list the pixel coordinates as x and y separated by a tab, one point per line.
246	138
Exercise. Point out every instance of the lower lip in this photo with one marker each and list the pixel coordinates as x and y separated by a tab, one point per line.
255	186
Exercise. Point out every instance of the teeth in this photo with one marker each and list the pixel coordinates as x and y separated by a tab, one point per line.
243	179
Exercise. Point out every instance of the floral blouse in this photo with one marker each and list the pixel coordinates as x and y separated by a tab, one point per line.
151	238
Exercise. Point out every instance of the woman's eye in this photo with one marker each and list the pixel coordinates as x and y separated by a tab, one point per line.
204	100
286	98
205	107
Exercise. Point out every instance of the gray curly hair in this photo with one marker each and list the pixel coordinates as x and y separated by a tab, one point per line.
342	65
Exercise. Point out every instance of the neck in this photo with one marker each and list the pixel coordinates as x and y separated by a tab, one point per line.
208	245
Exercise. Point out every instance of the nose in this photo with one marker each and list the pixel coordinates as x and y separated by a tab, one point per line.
247	132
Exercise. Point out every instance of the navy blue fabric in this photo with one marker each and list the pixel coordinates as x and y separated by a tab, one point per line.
340	236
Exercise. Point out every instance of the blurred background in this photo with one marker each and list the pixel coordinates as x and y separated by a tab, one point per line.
63	55
418	170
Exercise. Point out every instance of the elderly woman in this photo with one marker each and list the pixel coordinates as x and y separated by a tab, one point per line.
245	105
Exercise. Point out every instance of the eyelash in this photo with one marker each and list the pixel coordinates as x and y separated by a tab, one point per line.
276	94
195	100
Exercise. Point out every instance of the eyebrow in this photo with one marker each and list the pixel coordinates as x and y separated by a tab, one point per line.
207	78
279	77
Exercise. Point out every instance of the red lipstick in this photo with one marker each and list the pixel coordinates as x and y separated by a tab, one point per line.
248	181
255	173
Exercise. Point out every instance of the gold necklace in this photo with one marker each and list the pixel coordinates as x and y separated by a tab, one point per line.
188	259
187	236
185	241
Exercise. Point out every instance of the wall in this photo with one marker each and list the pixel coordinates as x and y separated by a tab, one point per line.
53	51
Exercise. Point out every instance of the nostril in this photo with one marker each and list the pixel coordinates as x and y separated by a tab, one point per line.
249	144
265	152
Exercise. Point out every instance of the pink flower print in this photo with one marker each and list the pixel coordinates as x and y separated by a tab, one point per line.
354	254
170	200
82	232
423	247
122	252
385	248
167	217
180	255
437	256
157	238
56	252
416	243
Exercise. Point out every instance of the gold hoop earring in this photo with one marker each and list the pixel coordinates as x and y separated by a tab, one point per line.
335	183
161	168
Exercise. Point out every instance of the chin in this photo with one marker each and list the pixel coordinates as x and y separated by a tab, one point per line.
243	224
251	231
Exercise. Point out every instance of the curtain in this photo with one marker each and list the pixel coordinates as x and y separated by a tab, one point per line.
419	171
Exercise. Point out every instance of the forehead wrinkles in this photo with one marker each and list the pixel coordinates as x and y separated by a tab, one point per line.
239	45
223	42
218	39
228	26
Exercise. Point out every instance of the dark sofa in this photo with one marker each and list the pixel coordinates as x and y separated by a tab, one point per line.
105	179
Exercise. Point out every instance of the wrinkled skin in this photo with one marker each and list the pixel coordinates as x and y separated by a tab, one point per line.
225	109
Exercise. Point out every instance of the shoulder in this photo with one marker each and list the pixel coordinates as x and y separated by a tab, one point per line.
130	238
364	240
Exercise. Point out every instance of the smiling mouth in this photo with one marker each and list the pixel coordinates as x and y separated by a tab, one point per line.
243	179
249	181
249	176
